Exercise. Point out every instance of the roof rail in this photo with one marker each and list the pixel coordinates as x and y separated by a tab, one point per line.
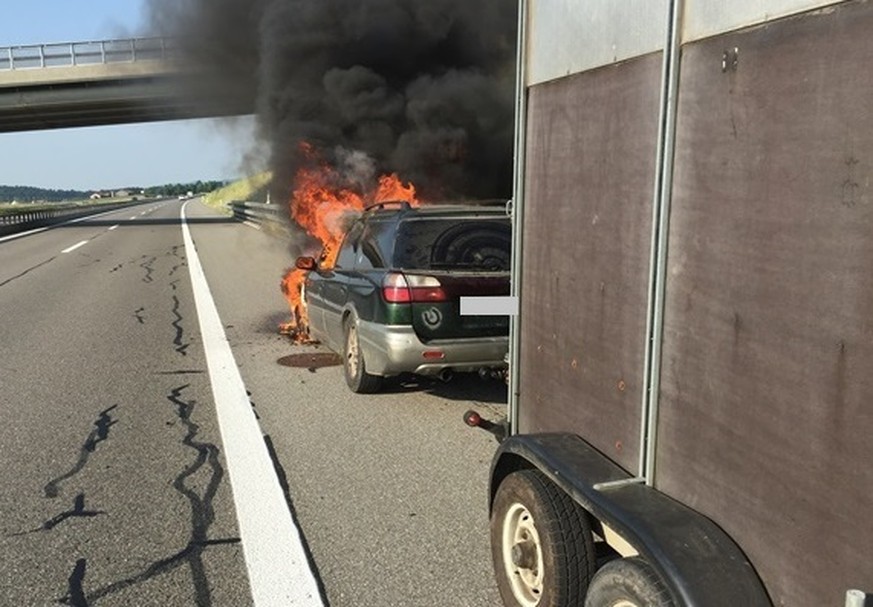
471	202
404	205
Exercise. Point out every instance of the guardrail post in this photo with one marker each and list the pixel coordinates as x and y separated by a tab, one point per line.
857	598
103	51
132	49
72	53
42	55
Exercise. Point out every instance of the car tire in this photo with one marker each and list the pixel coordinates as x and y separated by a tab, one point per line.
541	543
629	582
354	366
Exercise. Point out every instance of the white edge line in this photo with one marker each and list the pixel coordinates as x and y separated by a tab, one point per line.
113	227
75	246
278	568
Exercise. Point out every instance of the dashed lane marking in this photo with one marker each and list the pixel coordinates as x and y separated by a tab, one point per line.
75	246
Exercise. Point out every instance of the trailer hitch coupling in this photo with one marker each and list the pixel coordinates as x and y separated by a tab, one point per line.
500	429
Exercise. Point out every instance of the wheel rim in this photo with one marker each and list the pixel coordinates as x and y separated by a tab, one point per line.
525	579
352	351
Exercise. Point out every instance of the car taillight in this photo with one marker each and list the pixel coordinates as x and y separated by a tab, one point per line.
395	289
400	288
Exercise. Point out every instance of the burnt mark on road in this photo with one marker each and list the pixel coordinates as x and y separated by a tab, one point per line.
311	361
99	434
78	511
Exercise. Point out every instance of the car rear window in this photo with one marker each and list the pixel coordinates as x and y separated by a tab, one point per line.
454	243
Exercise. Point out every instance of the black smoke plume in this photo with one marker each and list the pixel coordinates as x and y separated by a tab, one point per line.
423	87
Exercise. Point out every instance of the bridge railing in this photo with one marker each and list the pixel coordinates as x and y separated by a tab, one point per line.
67	54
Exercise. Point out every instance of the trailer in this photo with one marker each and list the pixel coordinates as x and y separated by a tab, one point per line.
691	371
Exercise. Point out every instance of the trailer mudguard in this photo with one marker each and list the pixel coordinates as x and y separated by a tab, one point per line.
700	564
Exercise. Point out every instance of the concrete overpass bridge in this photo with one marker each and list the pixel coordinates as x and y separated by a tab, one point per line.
104	82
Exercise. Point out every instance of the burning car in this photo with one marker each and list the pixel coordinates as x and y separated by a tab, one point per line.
390	302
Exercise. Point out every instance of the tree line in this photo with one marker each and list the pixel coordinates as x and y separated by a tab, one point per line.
23	193
180	189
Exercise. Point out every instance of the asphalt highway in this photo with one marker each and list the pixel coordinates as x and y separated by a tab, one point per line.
122	479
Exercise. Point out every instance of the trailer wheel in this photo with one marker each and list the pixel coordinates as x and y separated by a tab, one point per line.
541	543
628	582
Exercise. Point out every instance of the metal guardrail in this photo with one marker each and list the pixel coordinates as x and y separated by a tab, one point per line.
69	54
269	216
10	223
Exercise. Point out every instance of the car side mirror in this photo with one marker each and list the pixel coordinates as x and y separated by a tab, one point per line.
306	263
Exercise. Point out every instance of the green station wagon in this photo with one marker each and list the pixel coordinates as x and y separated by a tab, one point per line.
391	303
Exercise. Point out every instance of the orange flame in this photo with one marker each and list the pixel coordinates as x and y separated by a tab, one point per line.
321	204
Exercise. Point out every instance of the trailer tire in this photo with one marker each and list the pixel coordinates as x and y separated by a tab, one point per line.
627	582
541	543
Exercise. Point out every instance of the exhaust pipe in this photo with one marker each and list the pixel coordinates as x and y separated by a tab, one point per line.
446	375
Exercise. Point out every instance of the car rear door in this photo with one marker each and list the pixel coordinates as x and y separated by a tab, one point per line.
443	320
446	258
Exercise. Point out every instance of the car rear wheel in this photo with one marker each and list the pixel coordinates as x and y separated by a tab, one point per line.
354	366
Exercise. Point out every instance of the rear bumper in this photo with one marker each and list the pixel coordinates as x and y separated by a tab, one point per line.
390	350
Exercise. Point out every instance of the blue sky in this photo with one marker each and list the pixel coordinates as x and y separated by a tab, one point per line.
110	157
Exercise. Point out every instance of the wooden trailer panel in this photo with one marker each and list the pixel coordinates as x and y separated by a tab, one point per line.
590	170
766	421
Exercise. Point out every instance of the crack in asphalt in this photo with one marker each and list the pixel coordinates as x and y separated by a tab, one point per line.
180	372
175	253
147	266
78	511
181	348
138	315
202	510
202	517
76	596
27	271
99	434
